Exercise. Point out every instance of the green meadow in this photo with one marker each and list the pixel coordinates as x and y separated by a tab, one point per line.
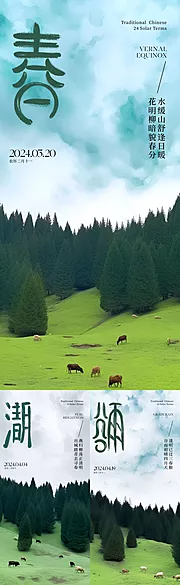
145	362
155	556
42	565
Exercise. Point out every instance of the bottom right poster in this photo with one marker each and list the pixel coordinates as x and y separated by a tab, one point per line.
135	487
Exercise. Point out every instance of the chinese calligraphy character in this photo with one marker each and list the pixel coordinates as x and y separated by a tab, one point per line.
36	41
20	426
109	427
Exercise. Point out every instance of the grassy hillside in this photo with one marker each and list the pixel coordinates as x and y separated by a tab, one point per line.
43	565
153	555
145	362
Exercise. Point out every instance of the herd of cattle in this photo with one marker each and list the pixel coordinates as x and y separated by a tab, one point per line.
114	380
71	564
96	370
158	575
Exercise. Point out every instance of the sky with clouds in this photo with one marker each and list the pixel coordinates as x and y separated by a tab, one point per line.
100	130
56	420
140	475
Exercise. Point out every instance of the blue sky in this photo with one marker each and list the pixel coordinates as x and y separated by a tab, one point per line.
100	130
140	475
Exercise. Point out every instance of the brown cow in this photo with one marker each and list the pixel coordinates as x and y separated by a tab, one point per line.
121	338
79	569
95	371
125	570
116	380
74	367
37	338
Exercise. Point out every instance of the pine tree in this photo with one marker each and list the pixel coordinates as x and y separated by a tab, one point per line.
142	281
64	278
60	497
176	544
78	529
50	514
131	541
91	536
20	510
67	514
104	241
1	510
31	312
38	521
136	523
83	259
162	271
174	267
25	534
114	548
113	282
107	529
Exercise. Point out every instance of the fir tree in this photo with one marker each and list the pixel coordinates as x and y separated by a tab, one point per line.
31	312
131	541
176	544
114	548
91	535
64	278
25	534
113	282
162	271
78	529
38	521
20	510
174	267
142	281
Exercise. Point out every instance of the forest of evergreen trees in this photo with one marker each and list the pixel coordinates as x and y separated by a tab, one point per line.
132	266
35	510
150	523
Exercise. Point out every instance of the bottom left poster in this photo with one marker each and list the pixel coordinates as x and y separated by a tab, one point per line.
44	487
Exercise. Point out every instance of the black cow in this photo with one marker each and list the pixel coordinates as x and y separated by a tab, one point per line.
60	556
121	338
23	559
72	564
74	367
13	563
38	541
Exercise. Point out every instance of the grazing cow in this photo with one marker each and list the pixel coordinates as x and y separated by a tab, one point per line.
121	338
135	316
157	317
72	564
38	541
13	563
160	574
172	341
76	367
79	569
37	338
60	556
143	568
125	570
15	538
95	371
116	380
23	559
177	577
